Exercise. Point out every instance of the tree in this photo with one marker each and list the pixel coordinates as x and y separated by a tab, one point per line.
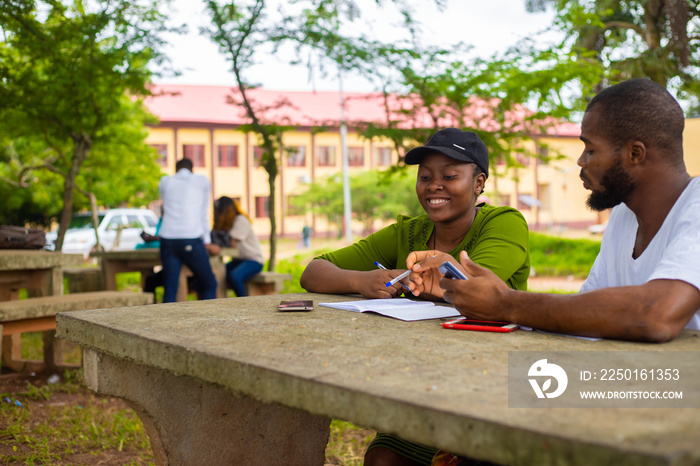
71	77
375	196
239	32
657	39
242	30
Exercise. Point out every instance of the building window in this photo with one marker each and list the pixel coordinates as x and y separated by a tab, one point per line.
356	156
194	152
262	206
228	156
257	156
382	156
326	156
162	151
296	156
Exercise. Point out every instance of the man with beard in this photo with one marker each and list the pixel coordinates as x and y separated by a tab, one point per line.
645	283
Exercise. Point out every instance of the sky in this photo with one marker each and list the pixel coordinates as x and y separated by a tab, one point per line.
488	25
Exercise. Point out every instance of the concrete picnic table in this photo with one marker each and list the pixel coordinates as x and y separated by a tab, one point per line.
234	381
144	261
39	271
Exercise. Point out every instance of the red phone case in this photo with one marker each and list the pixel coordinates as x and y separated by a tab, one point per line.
458	325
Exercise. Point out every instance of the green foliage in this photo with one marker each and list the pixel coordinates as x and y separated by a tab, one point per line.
375	195
39	393
633	39
295	268
71	77
550	256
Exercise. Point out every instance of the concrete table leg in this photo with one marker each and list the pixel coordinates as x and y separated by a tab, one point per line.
196	423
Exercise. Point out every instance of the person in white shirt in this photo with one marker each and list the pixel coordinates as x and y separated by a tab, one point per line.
645	283
230	218
184	232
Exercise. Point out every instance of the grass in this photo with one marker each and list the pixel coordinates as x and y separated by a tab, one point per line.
36	427
560	257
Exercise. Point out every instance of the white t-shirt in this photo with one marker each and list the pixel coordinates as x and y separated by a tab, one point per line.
185	206
673	254
246	241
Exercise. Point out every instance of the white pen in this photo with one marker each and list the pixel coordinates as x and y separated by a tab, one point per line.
399	278
384	268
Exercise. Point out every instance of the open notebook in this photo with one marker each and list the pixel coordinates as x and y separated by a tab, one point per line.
398	308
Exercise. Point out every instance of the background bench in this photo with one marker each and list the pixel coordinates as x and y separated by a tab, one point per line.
39	314
266	283
83	279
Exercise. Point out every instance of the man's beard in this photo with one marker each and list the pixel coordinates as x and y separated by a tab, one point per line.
616	185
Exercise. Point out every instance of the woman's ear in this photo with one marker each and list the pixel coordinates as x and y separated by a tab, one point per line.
479	183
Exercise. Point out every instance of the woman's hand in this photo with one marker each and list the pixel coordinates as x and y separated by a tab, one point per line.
372	284
213	249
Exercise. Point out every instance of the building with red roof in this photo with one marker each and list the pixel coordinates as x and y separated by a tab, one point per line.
204	123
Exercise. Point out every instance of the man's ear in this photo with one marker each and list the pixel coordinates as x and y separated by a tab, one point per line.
637	152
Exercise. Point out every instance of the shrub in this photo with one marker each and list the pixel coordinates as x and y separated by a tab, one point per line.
552	256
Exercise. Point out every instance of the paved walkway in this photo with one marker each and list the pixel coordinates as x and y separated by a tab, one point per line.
569	284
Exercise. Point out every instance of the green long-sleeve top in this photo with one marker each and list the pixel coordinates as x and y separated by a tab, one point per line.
497	240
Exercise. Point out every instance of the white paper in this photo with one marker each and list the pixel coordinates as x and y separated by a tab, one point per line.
399	308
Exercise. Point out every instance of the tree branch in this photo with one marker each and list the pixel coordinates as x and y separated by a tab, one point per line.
625	25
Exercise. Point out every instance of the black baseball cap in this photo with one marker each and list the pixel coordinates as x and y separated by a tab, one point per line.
464	146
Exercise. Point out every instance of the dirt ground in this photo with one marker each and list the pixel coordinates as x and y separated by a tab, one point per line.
13	388
348	447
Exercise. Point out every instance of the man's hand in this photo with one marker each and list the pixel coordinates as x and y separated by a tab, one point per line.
479	297
425	276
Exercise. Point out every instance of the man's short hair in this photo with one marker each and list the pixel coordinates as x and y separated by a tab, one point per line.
641	110
184	163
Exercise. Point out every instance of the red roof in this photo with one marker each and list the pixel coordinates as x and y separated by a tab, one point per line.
222	105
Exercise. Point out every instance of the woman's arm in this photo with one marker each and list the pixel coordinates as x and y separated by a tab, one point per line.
322	276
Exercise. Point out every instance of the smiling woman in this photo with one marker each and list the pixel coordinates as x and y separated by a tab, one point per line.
452	169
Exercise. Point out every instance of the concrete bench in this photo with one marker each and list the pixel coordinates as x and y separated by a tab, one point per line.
83	279
266	283
39	314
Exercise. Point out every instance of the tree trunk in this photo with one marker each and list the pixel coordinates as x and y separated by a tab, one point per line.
83	143
271	169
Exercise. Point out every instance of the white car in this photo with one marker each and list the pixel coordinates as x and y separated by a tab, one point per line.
80	237
598	229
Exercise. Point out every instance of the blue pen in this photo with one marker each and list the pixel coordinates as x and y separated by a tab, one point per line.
399	277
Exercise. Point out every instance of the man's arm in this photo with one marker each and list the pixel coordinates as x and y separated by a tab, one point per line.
656	311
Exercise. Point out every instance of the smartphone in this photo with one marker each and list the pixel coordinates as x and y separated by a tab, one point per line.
450	271
296	306
480	325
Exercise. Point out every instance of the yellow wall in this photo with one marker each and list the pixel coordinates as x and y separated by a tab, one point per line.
691	145
248	182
